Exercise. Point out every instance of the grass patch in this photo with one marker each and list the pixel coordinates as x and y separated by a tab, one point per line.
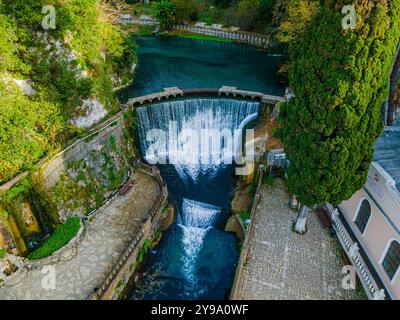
60	237
2	253
245	215
203	37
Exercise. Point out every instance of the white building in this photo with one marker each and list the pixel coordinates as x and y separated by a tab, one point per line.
372	215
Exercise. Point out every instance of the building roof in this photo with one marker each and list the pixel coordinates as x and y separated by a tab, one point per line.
387	153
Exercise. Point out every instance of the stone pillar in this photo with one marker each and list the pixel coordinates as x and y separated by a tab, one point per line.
379	295
293	203
353	250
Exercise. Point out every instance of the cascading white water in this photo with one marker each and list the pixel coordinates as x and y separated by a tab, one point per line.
196	135
195	220
209	144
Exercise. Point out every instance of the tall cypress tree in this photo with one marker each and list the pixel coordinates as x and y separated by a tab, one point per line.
341	80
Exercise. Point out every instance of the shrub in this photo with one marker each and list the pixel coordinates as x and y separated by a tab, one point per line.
186	10
245	215
165	12
2	253
60	237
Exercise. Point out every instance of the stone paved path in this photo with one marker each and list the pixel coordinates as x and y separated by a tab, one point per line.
105	239
283	265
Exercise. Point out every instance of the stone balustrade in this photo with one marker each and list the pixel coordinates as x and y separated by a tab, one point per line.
167	93
264	98
254	39
352	250
174	92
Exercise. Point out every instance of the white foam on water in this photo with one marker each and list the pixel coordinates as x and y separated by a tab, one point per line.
195	221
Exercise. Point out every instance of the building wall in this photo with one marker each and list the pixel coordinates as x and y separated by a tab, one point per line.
383	225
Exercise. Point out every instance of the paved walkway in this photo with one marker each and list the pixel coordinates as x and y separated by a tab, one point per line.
105	239
283	265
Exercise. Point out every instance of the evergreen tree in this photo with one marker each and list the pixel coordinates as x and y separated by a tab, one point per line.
340	79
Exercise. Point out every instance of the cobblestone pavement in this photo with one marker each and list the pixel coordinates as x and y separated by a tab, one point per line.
105	239
285	265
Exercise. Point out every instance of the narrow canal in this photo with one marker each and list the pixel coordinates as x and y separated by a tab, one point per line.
196	259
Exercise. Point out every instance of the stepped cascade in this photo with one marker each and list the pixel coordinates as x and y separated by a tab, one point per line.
211	138
196	259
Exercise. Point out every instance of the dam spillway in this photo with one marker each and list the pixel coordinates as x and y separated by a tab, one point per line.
196	259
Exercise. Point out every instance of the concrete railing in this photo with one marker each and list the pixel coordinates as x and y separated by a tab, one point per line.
228	91
264	98
246	243
352	250
138	239
254	39
167	93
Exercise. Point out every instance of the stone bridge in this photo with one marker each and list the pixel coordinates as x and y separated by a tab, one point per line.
175	92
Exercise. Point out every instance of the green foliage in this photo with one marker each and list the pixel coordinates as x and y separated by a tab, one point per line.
87	182
19	189
165	12
74	62
204	37
291	18
269	181
248	13
113	144
4	214
245	215
143	250
63	234
251	189
186	10
340	79
9	60
29	124
2	253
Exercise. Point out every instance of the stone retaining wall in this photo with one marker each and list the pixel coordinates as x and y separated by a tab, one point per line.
64	254
246	243
52	168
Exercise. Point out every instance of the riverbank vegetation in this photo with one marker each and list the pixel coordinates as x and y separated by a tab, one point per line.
282	19
48	77
63	234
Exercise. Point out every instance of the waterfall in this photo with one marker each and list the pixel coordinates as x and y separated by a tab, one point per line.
198	135
195	220
199	138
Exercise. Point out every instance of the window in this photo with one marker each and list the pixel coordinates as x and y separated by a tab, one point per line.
363	215
391	262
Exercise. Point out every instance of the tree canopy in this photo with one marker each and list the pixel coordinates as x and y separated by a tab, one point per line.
340	80
76	61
